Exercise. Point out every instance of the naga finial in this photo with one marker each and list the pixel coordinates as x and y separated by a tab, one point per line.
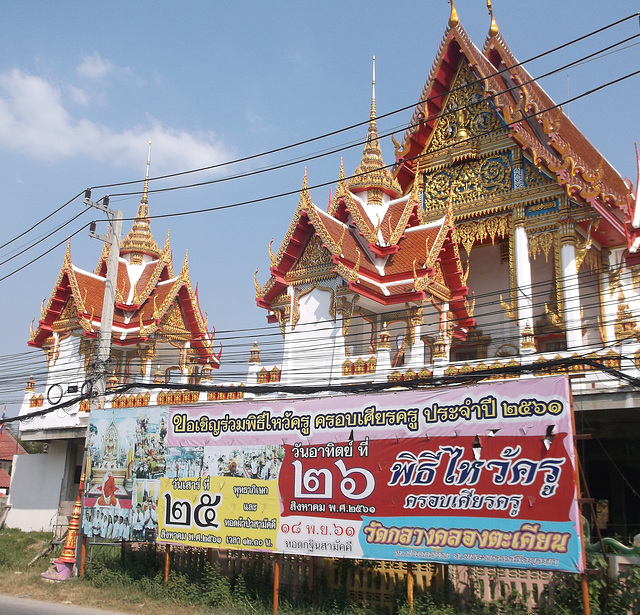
493	28
453	17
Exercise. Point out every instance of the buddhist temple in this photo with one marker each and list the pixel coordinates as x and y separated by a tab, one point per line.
160	335
498	239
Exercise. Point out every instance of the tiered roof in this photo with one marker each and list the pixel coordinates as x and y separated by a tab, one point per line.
535	122
9	446
375	242
151	300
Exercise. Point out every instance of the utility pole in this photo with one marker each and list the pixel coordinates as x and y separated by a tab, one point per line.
98	383
103	351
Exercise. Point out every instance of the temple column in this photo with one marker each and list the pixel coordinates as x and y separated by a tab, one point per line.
524	300
609	306
442	345
416	352
570	285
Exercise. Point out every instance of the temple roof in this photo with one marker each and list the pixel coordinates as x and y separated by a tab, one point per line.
151	300
545	134
402	261
5	479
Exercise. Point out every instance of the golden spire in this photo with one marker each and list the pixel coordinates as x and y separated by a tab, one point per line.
145	189
139	239
372	113
371	172
453	17
493	28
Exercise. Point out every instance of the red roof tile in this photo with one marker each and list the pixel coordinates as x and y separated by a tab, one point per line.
9	447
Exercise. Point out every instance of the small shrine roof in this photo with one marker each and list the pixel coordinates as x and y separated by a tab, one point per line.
150	298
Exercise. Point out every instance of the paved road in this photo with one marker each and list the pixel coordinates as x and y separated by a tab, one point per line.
10	605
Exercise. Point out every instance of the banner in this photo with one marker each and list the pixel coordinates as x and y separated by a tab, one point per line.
478	475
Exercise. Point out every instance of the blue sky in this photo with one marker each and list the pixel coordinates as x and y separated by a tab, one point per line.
84	86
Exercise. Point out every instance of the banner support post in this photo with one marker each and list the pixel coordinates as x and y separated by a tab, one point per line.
584	580
276	583
410	586
167	553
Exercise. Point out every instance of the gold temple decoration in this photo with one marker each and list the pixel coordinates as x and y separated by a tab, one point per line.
384	341
493	28
527	340
272	257
540	242
582	247
453	16
256	285
371	174
509	309
139	240
314	264
625	325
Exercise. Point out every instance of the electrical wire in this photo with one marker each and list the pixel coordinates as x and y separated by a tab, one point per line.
365	122
589	57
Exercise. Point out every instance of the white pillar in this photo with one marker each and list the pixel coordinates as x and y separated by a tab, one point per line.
608	298
570	286
416	352
524	299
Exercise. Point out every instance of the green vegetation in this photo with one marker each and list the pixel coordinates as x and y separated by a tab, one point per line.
135	584
18	548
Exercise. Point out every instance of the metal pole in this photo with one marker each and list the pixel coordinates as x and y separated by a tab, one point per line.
584	577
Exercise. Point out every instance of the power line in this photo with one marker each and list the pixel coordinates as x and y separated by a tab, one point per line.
365	122
340	148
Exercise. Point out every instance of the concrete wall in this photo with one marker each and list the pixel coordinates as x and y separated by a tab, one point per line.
35	489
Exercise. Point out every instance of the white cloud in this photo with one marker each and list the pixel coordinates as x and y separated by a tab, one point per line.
95	66
79	96
35	122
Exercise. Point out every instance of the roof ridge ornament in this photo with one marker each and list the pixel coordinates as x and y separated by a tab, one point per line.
493	28
454	20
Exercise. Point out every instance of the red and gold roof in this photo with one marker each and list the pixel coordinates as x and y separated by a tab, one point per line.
531	120
152	302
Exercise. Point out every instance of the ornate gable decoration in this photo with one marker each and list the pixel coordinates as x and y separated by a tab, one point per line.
467	116
314	264
458	158
139	240
173	326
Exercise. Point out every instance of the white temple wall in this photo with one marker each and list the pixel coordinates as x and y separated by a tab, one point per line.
429	329
489	279
314	348
360	336
68	367
590	301
34	494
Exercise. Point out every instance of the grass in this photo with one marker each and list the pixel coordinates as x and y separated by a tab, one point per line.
136	587
18	579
